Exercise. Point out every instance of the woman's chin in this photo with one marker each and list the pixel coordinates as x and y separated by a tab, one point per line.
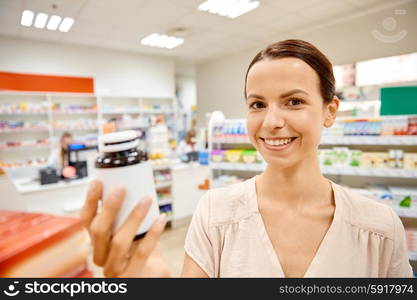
279	163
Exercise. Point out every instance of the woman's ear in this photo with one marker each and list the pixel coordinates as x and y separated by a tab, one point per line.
331	111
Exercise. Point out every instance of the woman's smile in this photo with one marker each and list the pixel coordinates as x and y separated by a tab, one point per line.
277	143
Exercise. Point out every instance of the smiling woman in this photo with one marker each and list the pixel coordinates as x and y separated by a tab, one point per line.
289	221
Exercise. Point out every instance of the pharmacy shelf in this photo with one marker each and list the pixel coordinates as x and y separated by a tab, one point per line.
26	147
165	201
352	171
52	107
369	140
404	140
131	127
25	166
155	111
377	172
161	185
238	167
161	167
243	139
405	212
121	112
74	112
18	130
74	129
24	113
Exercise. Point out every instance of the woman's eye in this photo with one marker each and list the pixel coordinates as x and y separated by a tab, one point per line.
295	102
257	105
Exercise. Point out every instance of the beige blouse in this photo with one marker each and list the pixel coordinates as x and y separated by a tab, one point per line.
227	238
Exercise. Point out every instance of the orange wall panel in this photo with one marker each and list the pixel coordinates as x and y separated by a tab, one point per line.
45	83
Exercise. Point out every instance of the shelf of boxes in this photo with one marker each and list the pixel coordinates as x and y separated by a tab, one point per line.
75	112
350	171
18	113
161	167
165	201
162	185
158	112
28	163
405	140
238	166
24	147
412	255
75	128
374	172
120	112
58	110
17	130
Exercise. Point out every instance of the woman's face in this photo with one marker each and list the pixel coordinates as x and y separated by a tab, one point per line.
285	110
66	141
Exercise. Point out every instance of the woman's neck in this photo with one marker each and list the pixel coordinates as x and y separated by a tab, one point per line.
302	184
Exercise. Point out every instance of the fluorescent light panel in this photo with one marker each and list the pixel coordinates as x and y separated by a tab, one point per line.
66	24
27	18
228	8
41	20
53	23
162	41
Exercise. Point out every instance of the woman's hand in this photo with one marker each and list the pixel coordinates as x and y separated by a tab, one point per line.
116	252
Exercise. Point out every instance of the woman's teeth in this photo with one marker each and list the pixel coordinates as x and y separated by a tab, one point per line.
278	142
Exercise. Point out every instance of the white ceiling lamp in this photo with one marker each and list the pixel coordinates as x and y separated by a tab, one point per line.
27	18
162	41
66	24
53	23
228	8
40	21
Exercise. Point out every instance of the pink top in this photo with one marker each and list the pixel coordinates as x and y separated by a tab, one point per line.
227	238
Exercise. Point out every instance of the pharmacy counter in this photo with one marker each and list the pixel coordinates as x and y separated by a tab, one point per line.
62	198
186	179
67	197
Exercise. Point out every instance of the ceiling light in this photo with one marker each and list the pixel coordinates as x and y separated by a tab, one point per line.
162	41
27	18
53	22
228	8
40	21
66	24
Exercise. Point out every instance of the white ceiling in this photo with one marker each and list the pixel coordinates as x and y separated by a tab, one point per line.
121	24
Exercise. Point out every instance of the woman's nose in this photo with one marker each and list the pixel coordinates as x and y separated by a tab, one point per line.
274	119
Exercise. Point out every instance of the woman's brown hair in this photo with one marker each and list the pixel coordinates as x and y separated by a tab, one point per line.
309	54
63	152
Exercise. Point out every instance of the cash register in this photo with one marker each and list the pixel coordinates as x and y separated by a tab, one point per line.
74	160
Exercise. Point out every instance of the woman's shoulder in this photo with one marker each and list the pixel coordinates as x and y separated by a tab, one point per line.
367	213
230	204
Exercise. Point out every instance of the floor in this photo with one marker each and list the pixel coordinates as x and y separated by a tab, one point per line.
171	245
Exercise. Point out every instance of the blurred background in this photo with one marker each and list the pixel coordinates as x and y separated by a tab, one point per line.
173	71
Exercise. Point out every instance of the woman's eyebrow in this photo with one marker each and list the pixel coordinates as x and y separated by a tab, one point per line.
292	92
284	95
255	96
